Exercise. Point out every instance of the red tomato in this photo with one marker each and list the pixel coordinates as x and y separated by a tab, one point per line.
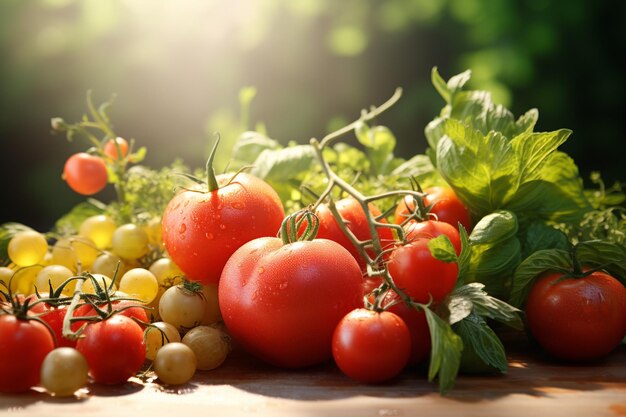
23	346
86	174
446	205
352	212
114	349
419	274
110	148
577	318
430	229
371	347
417	324
281	302
202	230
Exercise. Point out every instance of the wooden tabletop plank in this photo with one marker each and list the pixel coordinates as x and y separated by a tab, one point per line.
244	386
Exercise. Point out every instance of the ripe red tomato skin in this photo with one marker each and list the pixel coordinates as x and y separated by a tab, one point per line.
202	230
430	229
418	327
446	205
114	349
577	319
419	274
110	148
23	347
371	347
282	302
352	212
86	174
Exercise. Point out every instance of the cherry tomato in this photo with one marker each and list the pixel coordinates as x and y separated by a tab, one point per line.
110	148
371	347
23	346
54	317
281	302
417	324
577	319
430	229
114	349
353	214
445	204
86	174
419	274
201	230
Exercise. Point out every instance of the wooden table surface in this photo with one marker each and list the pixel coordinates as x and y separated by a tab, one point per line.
243	386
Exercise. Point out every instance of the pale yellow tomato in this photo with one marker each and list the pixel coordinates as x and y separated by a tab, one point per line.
175	363
210	345
130	242
99	229
157	335
27	248
139	283
55	275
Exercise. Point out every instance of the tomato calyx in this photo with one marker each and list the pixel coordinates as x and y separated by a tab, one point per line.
20	308
290	227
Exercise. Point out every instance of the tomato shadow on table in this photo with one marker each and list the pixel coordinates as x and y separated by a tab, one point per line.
530	373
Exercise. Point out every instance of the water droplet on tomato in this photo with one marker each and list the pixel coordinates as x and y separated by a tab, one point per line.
208	235
283	285
261	270
238	205
186	203
182	229
222	226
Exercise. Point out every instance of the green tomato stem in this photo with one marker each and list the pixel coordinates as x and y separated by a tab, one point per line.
212	184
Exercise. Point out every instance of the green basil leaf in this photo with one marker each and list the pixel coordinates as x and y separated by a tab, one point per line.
278	164
464	257
608	255
540	236
445	354
534	149
494	227
532	267
442	249
482	304
478	337
250	144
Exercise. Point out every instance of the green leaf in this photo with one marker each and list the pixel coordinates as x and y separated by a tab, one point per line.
465	256
250	144
482	170
494	227
532	267
418	167
278	164
440	85
478	337
482	304
442	249
445	354
70	222
608	255
139	155
493	265
434	131
534	149
379	143
540	236
7	231
526	122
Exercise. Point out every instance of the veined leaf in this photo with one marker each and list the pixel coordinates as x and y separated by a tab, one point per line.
442	249
478	337
482	304
278	164
494	227
533	149
445	354
250	144
379	144
540	236
532	267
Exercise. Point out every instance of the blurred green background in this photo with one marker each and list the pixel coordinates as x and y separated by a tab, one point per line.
177	68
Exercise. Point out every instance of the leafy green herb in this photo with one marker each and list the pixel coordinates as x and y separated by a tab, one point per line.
445	355
480	339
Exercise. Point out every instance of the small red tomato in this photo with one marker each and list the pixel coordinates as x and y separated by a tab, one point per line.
371	347
114	349
86	174
445	204
577	319
23	346
417	324
354	216
430	229
111	148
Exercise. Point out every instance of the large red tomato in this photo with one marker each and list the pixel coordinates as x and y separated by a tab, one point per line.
445	204
23	346
281	302
202	229
371	347
577	318
354	216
